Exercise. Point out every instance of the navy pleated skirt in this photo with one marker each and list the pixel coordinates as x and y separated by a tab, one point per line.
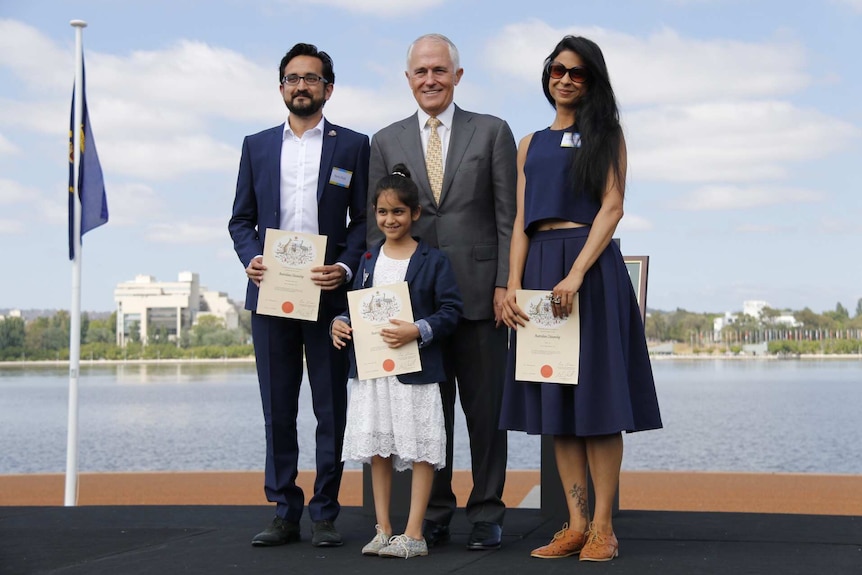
616	390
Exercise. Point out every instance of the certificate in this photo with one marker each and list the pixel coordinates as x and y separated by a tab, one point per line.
370	311
549	347
287	289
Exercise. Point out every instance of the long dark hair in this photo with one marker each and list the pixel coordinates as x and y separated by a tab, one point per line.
597	117
400	183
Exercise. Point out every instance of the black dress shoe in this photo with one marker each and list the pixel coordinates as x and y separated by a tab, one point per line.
485	536
279	532
324	534
435	533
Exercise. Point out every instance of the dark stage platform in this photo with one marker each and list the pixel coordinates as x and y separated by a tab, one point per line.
216	539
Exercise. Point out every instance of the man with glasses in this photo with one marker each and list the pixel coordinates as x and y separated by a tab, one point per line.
310	176
464	164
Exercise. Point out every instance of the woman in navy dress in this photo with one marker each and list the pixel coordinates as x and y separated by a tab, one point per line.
571	183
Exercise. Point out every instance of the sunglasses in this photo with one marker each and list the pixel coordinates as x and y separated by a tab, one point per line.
578	74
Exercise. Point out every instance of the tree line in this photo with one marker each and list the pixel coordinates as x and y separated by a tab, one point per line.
833	331
47	338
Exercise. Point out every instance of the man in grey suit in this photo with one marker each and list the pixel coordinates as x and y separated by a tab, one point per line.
466	175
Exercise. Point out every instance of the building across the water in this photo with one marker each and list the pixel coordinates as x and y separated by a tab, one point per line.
148	306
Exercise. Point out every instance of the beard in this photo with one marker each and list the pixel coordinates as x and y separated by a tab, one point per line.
305	109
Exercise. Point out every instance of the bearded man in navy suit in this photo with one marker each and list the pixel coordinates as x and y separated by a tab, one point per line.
306	175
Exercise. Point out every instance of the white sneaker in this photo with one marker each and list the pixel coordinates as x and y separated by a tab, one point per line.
380	541
404	546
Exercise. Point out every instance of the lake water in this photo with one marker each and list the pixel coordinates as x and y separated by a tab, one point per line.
719	415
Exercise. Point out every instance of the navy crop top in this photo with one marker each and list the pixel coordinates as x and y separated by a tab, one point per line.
548	193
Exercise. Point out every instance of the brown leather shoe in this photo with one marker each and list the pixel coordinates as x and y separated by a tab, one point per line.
566	542
600	547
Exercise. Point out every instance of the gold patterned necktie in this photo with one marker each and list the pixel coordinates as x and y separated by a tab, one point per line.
434	160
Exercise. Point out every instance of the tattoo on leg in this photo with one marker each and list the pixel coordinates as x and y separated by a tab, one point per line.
579	494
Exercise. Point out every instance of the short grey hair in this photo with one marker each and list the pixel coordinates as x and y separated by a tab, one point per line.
453	50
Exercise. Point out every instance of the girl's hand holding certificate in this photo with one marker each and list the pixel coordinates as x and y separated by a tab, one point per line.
402	332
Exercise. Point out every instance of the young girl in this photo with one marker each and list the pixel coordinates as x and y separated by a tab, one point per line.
398	421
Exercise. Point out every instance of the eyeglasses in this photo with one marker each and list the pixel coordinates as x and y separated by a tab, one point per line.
310	79
578	74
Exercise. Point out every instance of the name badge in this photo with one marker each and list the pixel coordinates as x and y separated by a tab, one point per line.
340	177
571	140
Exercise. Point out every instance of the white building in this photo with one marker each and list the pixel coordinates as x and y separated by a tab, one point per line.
754	307
171	307
720	323
12	313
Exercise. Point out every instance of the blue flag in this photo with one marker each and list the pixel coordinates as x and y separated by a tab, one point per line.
91	186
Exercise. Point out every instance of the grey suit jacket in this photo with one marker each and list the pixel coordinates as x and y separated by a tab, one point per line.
473	223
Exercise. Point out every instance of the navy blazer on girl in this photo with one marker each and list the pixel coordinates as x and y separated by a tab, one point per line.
435	298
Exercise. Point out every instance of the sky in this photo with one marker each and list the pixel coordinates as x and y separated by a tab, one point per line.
743	121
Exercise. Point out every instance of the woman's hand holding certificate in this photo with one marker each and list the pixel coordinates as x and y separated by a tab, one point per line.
548	349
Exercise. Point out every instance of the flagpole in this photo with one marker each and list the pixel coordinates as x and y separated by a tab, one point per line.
71	499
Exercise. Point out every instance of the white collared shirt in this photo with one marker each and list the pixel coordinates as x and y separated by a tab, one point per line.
444	130
300	171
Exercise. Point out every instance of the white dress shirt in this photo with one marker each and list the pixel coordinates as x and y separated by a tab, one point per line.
300	174
300	168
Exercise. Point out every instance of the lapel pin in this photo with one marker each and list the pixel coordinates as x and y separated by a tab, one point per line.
331	133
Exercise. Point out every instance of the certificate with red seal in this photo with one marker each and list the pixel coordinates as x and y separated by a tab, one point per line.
287	289
549	347
370	311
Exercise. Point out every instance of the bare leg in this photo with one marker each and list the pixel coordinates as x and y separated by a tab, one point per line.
381	486
605	457
571	455
420	492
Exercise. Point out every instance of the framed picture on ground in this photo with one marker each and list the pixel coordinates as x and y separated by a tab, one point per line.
638	267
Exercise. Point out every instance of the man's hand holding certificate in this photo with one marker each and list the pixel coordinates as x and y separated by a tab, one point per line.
374	335
548	346
288	290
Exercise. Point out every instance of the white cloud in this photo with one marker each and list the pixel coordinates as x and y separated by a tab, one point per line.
730	141
662	68
154	113
384	8
34	57
165	159
188	233
369	110
12	192
765	229
634	223
134	204
7	147
840	226
55	209
11	227
711	198
694	110
854	4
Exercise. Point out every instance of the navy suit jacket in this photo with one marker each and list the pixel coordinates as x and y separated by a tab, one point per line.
434	296
258	201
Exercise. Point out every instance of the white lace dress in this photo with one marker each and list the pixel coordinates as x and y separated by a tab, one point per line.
391	419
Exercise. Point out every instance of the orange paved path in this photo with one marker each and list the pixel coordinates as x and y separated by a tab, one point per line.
647	490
